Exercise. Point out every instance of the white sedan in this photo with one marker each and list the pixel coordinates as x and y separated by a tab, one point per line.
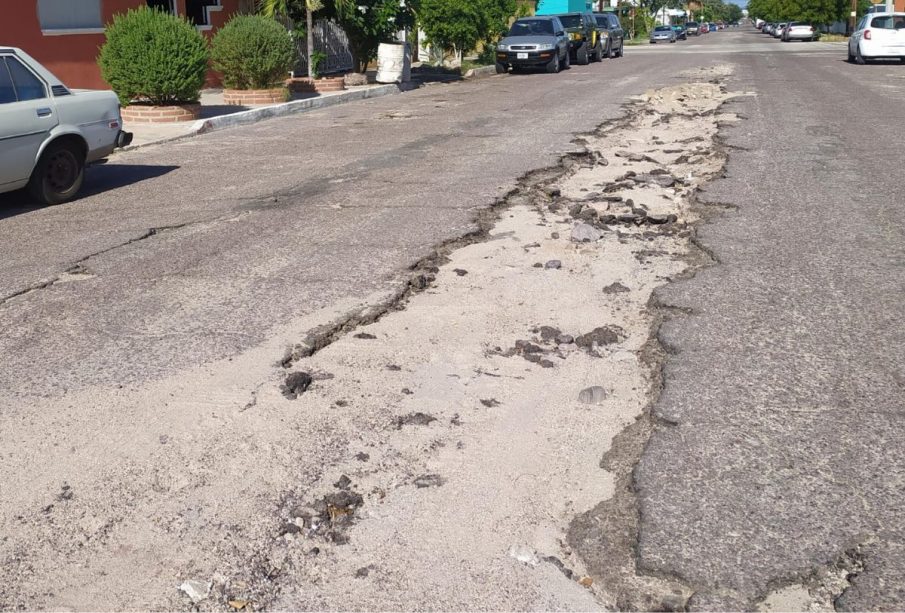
48	133
878	36
798	30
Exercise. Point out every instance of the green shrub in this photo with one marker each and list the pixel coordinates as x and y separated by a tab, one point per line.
253	52
150	54
317	60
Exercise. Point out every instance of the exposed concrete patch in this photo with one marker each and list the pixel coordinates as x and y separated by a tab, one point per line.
511	457
671	133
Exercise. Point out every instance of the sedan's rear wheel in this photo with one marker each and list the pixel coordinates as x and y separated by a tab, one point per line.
859	59
59	174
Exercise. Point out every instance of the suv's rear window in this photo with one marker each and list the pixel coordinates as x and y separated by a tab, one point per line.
889	22
531	27
663	29
570	21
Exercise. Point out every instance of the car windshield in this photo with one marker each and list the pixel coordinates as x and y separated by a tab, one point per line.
531	27
570	21
662	29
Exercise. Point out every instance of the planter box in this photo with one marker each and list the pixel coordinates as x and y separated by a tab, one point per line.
306	85
251	97
145	113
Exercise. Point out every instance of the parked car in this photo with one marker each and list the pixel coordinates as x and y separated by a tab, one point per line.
585	44
692	28
49	133
777	31
611	34
704	29
878	36
534	42
681	34
799	30
662	34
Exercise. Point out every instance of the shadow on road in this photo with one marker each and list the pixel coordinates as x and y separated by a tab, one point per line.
98	179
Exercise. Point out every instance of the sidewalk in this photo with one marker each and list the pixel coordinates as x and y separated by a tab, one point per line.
212	106
216	115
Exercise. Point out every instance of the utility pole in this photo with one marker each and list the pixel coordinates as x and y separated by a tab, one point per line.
852	16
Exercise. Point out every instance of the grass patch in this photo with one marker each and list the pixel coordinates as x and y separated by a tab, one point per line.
833	38
633	42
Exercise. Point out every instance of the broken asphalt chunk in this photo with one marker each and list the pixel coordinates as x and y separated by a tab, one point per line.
432	480
585	233
296	384
414	419
592	395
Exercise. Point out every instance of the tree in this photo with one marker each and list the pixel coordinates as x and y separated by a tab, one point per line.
459	25
282	9
368	23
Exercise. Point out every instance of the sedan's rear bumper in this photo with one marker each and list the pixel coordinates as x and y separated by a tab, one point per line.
123	139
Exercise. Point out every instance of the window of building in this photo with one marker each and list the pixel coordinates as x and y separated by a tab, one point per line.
28	86
162	5
70	14
199	11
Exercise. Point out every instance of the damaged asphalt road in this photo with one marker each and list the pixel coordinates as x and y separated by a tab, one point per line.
400	381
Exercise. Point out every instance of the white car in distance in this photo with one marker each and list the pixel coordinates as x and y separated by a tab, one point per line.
49	133
878	36
798	30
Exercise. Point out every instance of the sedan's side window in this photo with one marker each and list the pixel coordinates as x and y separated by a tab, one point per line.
28	86
7	92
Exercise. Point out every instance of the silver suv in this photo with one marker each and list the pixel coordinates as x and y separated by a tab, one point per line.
534	42
48	133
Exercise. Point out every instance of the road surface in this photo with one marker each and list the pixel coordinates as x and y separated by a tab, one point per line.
145	330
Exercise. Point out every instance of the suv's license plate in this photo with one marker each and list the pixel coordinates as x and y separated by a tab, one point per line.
522	56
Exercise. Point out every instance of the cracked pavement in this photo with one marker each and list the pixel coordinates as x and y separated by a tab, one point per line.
440	458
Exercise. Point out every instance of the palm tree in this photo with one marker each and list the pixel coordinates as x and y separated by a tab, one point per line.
279	9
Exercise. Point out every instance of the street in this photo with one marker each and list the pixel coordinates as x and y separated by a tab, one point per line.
694	404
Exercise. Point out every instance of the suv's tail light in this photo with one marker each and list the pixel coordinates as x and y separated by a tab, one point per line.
867	34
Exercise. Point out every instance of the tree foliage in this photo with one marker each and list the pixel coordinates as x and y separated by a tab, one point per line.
367	23
152	55
818	12
459	25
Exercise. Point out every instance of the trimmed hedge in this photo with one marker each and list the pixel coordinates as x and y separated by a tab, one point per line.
253	52
150	54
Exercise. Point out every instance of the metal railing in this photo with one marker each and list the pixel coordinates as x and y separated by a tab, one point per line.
331	40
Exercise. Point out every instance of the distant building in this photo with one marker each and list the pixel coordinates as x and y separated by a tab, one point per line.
552	7
65	35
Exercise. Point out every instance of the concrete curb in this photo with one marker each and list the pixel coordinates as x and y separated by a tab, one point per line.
212	124
295	106
221	122
479	73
